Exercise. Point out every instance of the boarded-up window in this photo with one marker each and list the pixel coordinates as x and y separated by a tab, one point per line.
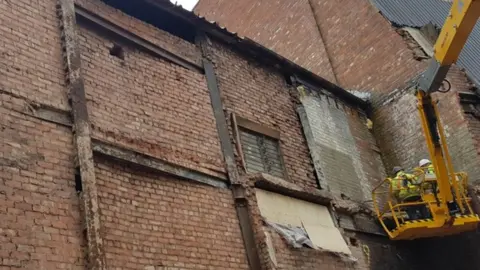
313	218
259	147
261	153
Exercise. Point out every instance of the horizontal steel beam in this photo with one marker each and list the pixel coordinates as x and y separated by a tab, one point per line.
133	157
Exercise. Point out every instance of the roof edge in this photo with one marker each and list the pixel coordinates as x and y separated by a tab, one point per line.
254	49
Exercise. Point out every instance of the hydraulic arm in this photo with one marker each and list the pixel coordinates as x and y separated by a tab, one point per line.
453	36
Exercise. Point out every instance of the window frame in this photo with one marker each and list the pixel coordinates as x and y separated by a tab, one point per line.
240	122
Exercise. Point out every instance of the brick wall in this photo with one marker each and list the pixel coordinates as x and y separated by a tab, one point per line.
145	30
40	223
153	106
261	95
360	47
366	51
30	52
400	136
286	27
474	125
159	221
368	251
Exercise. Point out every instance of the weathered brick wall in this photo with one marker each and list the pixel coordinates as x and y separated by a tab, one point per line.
286	27
147	31
368	251
151	105
31	63
40	223
475	127
261	95
159	221
366	51
362	50
400	135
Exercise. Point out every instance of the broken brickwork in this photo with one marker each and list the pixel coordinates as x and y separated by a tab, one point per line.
343	149
115	152
368	54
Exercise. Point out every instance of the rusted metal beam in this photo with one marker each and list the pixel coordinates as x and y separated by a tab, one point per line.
221	122
81	129
88	18
280	186
238	191
130	156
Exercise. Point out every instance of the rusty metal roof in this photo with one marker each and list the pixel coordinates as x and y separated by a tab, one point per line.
417	13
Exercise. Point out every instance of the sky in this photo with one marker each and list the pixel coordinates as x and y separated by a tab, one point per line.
186	4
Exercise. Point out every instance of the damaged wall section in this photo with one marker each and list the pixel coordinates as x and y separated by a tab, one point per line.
339	145
310	220
397	125
153	106
283	246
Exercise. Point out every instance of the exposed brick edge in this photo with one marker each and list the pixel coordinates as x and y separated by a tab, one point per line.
238	190
81	129
315	156
155	164
278	185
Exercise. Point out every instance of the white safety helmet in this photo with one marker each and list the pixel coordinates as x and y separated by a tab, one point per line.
424	162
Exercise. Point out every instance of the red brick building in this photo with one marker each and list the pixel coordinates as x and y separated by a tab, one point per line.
368	53
362	51
136	135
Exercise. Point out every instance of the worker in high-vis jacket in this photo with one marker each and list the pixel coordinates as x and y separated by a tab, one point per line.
403	184
405	190
427	166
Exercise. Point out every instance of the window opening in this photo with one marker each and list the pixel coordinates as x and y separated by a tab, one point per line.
261	153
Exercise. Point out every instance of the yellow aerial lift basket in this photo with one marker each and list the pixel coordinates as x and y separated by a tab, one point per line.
435	217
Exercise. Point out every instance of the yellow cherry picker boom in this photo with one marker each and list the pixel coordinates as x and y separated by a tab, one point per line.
443	196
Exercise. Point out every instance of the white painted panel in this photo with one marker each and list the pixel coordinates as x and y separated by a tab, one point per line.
314	218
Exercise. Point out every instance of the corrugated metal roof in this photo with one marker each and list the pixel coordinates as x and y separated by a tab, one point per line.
417	13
